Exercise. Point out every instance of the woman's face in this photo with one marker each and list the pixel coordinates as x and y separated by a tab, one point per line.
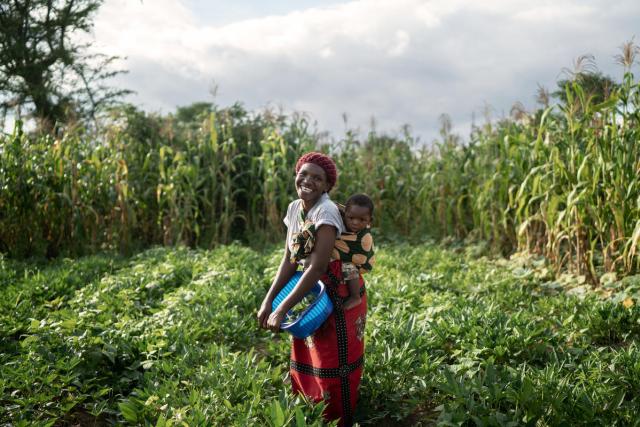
311	182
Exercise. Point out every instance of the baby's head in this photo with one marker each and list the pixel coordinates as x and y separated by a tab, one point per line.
358	212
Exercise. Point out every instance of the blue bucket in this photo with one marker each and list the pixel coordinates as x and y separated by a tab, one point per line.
313	316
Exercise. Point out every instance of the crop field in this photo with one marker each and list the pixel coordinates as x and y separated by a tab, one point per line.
158	234
560	181
136	247
169	337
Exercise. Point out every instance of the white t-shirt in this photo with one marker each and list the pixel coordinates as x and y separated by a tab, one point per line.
323	212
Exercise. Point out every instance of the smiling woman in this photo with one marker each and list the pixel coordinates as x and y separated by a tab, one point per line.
327	366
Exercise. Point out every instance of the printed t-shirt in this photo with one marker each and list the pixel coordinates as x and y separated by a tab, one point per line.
323	212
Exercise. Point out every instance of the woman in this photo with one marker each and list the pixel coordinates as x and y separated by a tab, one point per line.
328	364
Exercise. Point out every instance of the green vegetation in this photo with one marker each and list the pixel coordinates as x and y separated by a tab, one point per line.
46	73
561	181
169	336
147	180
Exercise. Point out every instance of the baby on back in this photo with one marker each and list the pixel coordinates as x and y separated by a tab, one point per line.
354	247
356	253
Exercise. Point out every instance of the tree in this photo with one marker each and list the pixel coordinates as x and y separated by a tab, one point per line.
597	87
193	112
44	71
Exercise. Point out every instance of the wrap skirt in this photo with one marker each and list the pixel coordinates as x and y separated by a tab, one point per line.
327	366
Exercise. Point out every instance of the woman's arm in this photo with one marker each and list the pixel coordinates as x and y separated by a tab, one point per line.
285	271
319	260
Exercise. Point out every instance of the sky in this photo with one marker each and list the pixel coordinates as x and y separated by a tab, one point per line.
402	62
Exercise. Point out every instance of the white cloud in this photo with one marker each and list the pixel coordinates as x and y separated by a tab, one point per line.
326	52
403	61
401	43
550	13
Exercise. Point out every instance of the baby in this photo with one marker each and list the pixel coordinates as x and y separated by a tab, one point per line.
354	247
356	250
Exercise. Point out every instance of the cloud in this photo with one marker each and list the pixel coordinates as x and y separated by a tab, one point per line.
403	61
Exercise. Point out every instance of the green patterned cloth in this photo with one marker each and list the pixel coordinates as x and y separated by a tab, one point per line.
356	248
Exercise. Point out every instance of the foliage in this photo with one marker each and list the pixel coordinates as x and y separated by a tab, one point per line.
146	342
561	181
43	67
148	181
595	85
169	336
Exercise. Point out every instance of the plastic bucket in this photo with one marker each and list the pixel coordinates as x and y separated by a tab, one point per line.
313	316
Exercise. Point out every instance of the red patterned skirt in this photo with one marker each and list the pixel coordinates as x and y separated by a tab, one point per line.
328	364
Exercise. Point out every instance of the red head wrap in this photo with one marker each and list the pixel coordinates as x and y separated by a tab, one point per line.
322	160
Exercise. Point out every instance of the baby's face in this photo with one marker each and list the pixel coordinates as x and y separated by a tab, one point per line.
357	217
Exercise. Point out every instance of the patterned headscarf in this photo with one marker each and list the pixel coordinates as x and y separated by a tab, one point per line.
322	160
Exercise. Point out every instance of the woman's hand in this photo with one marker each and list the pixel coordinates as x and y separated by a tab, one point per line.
264	313
274	320
285	271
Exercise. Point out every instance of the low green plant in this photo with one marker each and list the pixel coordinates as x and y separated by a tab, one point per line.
169	337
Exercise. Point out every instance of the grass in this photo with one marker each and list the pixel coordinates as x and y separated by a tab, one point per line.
168	337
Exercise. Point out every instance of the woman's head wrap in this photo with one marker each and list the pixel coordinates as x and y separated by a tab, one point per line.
322	160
